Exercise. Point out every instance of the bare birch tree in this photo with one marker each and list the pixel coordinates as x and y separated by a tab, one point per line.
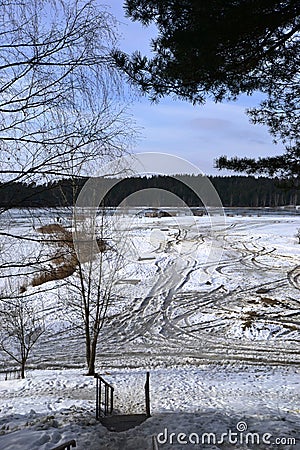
90	283
90	294
60	102
62	112
22	324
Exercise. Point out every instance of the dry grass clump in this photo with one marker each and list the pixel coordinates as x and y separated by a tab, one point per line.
271	301
54	274
251	316
62	236
22	289
64	261
262	291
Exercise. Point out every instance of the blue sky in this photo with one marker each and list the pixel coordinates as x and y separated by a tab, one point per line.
197	133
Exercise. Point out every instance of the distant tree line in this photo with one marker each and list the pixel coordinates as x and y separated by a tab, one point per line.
234	191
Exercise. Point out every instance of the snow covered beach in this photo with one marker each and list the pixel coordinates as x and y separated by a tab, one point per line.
222	349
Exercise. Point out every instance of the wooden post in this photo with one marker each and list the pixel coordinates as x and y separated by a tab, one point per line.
97	398
111	400
147	394
100	397
105	400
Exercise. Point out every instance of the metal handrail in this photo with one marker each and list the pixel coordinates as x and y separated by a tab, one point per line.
10	374
147	394
108	396
108	400
66	446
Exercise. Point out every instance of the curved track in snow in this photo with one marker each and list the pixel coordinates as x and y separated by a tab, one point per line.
242	307
255	321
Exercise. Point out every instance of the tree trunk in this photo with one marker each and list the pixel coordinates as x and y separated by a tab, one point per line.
92	353
87	346
91	368
23	369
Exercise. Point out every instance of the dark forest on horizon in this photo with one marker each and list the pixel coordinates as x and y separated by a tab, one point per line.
234	191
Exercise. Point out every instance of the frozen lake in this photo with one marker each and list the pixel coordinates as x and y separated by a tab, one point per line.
211	310
190	291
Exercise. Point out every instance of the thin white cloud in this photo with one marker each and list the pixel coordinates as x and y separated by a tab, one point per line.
201	133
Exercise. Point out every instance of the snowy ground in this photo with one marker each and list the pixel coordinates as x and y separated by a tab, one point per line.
212	312
51	407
